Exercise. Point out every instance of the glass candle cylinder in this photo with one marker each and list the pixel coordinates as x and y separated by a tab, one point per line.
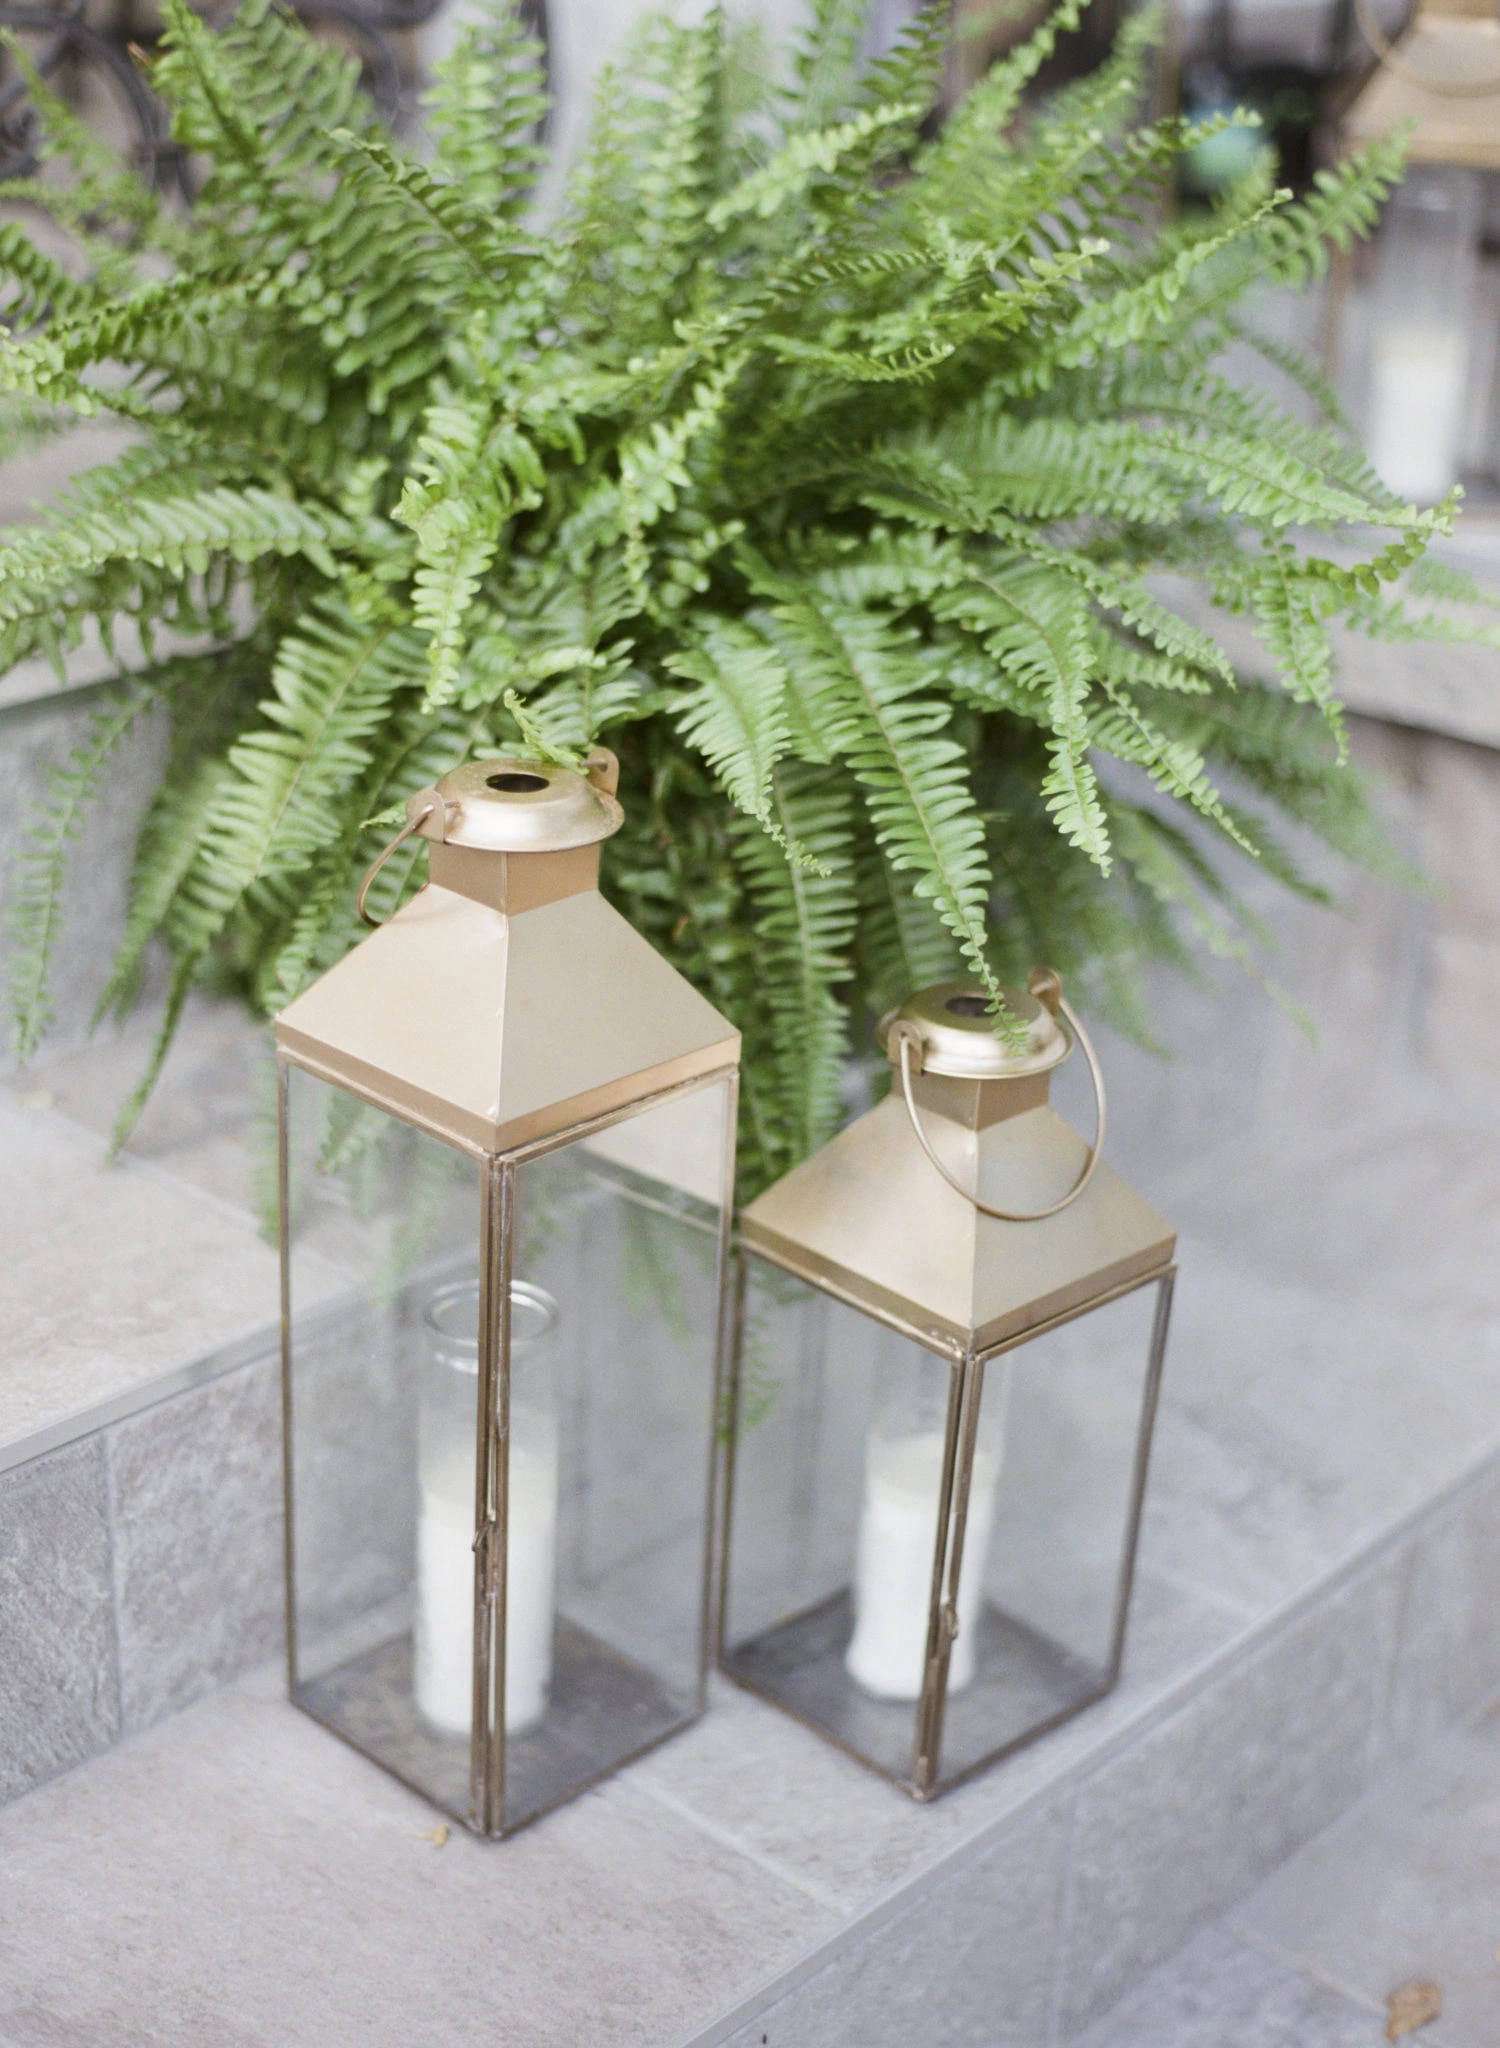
1420	346
445	1514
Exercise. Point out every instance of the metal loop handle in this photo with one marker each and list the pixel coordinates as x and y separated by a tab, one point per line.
411	825
1385	50
907	1035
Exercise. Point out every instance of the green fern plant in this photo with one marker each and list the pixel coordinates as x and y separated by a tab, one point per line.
816	458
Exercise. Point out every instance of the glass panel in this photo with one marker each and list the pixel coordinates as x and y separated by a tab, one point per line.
1048	1527
611	1442
834	1514
384	1232
834	1521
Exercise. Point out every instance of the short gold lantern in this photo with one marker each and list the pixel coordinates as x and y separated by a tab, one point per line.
507	1135
944	1368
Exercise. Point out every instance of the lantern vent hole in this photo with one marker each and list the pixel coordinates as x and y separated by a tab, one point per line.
516	782
968	1006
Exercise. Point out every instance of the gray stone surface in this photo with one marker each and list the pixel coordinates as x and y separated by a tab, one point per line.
112	1274
1406	1885
195	1492
59	1692
210	1121
1448	1647
967	1965
749	1774
237	1876
1177	1827
1222	1993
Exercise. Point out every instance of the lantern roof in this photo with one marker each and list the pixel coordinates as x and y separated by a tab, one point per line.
871	1220
507	1002
1435	79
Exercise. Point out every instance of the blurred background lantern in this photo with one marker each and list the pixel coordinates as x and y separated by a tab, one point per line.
509	1125
1422	361
948	1344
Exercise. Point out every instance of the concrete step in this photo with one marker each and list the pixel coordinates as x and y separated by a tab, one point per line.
1322	1536
1403	1890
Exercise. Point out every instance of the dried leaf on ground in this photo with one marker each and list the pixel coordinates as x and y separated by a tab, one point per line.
1411	2006
439	1837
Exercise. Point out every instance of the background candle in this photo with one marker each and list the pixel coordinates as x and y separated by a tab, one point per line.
1418	398
893	1571
1419	373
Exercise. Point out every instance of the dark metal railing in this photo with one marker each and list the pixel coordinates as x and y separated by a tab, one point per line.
89	59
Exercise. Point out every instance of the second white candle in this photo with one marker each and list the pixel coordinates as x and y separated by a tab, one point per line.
887	1655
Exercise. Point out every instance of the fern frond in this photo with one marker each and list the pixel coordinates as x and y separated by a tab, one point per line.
486	107
825	62
34	906
737	716
332	684
828	469
805	920
806	157
867	688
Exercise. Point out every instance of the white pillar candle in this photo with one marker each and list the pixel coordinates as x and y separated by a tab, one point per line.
1418	382
445	1583
893	1570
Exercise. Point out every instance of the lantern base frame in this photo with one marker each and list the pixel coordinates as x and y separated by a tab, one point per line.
369	1703
799	1667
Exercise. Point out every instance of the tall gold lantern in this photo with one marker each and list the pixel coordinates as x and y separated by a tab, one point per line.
946	1353
507	1136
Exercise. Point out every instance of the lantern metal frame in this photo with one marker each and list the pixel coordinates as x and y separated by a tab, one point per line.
492	1423
965	1390
1145	1260
511	946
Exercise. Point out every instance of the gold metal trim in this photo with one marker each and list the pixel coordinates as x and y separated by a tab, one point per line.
939	1627
726	1283
491	1501
1167	1285
405	1110
945	1340
284	1262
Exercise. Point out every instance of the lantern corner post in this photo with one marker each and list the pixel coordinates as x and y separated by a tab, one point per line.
966	1389
491	1491
284	1262
1165	1282
729	1294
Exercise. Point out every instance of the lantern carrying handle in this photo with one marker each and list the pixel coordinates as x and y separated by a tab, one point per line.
415	824
908	1040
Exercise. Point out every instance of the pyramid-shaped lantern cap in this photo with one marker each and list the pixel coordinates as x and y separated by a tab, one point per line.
1441	82
507	1001
871	1219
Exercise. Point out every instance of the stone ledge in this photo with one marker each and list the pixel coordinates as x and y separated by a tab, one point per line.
1011	1914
